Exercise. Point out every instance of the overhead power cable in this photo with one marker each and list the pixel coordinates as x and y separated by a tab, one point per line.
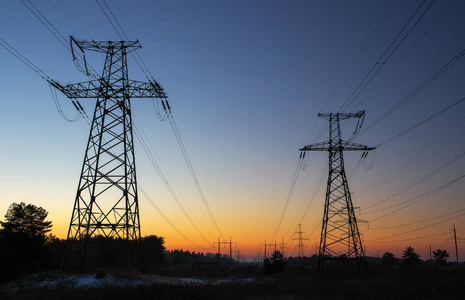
167	219
46	23
163	170
167	184
413	93
390	50
311	199
54	31
289	195
191	170
74	18
409	239
58	106
410	186
420	123
44	76
135	55
418	222
406	53
24	60
417	229
358	54
418	198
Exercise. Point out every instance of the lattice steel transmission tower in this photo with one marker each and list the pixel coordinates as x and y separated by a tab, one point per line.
340	240
106	202
300	246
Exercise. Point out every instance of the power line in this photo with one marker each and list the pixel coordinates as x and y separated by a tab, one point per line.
167	184
191	170
289	195
421	123
310	199
417	222
166	218
407	165
54	31
76	20
408	240
433	77
138	60
45	21
44	76
24	60
418	229
410	49
58	107
382	60
358	55
419	198
412	185
143	138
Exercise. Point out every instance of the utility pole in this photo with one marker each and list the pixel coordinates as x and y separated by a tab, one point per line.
230	249
218	253
238	257
282	246
340	238
267	246
106	202
300	240
455	240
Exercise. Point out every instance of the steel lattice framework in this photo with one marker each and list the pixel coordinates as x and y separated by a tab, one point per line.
106	202
340	238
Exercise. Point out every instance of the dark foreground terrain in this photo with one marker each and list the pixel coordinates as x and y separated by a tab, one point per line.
289	284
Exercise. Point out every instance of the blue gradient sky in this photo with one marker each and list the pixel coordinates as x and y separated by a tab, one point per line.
246	80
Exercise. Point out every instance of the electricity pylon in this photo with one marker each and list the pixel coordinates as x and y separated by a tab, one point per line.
106	202
300	240
340	240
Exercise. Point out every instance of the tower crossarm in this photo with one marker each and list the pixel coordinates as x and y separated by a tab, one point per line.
343	146
342	116
105	46
97	88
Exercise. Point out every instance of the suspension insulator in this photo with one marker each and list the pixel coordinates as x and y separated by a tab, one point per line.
167	104
80	106
75	105
163	103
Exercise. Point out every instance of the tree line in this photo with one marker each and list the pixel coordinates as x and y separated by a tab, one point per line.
26	245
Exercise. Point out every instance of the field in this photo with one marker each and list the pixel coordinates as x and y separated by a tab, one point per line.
249	284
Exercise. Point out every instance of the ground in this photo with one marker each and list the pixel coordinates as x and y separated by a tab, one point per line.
289	284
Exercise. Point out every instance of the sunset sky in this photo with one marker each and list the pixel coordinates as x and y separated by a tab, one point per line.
245	81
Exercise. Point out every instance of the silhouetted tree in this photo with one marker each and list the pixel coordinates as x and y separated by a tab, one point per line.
410	257
389	259
152	252
28	220
440	256
275	263
23	238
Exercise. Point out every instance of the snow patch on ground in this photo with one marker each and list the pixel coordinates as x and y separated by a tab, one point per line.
78	281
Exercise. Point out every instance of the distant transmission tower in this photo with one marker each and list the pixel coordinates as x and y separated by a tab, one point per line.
300	246
340	240
107	202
